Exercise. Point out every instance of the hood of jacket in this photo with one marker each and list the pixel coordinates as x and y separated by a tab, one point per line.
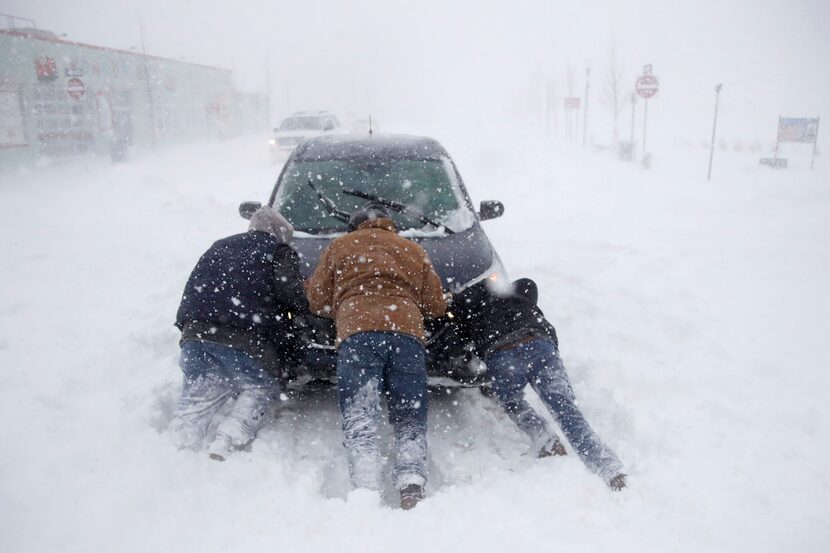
266	219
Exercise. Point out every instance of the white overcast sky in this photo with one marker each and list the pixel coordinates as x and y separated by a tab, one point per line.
467	61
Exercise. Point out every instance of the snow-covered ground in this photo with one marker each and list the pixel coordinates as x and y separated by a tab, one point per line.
693	318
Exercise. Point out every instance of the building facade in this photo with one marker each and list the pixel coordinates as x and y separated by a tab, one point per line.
60	98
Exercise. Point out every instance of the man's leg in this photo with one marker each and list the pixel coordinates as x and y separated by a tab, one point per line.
407	404
359	378
204	391
508	376
549	378
258	391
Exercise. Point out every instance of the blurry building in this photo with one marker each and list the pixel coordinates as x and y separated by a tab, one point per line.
60	98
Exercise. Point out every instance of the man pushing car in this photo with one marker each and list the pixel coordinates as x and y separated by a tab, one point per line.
378	287
235	317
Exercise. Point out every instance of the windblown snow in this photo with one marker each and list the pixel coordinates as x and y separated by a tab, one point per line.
693	318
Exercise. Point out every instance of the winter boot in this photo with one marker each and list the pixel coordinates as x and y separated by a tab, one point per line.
554	448
411	495
221	448
617	483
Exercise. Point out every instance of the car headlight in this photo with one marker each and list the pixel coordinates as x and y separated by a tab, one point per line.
272	141
495	274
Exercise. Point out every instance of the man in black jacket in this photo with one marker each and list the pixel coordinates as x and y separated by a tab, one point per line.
519	346
235	317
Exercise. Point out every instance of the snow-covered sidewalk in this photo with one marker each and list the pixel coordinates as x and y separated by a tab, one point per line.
692	315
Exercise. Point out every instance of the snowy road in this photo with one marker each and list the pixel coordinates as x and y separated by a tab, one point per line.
692	316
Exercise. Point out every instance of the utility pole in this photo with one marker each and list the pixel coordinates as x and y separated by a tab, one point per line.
149	84
633	103
585	114
714	128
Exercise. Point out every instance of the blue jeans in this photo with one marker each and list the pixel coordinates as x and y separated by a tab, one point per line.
213	373
370	364
538	363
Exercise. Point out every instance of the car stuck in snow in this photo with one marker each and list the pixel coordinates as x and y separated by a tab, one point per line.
328	177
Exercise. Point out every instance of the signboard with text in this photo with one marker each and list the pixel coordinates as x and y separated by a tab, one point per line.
802	130
75	88
647	85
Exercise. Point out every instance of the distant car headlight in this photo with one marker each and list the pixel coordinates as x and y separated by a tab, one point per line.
272	141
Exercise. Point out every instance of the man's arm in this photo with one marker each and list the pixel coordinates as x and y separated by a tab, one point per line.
433	302
290	282
319	287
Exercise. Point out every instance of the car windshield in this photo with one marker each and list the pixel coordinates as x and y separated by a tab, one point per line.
302	123
428	185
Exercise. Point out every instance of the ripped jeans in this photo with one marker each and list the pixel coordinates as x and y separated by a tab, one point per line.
213	373
371	364
538	363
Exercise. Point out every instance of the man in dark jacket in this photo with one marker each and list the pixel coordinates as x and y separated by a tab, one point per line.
519	347
235	317
378	286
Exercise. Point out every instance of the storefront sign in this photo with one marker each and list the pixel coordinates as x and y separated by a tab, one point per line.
75	88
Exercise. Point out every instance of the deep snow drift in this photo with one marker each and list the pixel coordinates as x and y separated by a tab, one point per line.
692	316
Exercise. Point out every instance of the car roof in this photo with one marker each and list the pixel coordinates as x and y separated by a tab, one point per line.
345	146
321	113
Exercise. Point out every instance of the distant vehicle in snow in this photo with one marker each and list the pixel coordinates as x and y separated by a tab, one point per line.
298	127
330	176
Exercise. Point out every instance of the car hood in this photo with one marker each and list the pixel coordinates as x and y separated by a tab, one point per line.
458	258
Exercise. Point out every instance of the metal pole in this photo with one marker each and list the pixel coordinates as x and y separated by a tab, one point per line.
585	115
567	124
777	141
714	127
633	102
815	143
645	125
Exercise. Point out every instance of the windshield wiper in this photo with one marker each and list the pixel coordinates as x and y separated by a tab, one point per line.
398	207
328	204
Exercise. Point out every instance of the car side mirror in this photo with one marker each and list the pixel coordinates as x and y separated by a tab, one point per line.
276	129
329	126
247	209
490	209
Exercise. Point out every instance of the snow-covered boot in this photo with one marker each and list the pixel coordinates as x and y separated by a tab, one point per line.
554	448
221	448
365	468
618	482
411	495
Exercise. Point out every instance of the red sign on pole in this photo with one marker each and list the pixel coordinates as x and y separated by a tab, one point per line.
647	86
572	103
75	88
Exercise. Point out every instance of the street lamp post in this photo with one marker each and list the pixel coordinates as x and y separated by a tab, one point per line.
714	128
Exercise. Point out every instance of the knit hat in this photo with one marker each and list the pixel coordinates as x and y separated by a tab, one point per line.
268	220
369	212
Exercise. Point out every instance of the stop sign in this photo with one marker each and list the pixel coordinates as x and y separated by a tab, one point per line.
647	86
75	88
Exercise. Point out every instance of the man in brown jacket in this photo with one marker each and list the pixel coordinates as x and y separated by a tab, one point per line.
378	286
